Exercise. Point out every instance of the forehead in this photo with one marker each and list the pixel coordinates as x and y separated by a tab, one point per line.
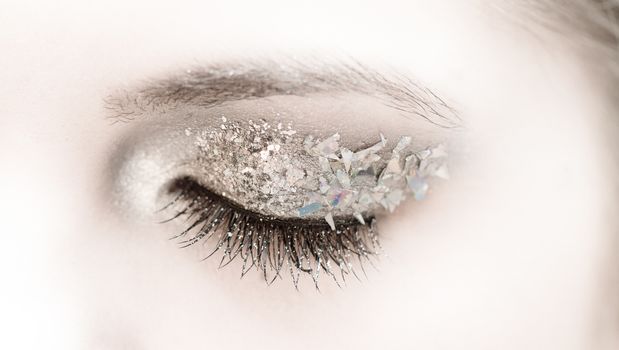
450	44
415	33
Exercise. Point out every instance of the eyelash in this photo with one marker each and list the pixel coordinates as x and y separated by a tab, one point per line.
271	245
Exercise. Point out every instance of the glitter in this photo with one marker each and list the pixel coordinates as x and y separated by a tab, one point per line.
274	171
365	199
368	191
368	152
435	164
223	119
265	189
411	162
439	152
418	185
324	164
264	155
313	198
424	154
393	167
335	199
293	175
274	148
442	171
392	199
339	198
359	217
308	144
328	147
336	166
309	209
343	178
324	185
201	142
346	158
329	219
402	144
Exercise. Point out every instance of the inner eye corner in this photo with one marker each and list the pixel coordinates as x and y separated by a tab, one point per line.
178	184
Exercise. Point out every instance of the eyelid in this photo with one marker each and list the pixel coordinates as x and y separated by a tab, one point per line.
306	246
158	149
192	150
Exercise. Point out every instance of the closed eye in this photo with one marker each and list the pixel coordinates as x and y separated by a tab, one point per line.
272	246
285	171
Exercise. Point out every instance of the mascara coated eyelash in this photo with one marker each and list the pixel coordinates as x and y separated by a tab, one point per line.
270	245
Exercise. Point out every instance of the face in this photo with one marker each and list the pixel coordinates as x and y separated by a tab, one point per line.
112	111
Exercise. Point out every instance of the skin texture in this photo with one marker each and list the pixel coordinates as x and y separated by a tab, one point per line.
515	252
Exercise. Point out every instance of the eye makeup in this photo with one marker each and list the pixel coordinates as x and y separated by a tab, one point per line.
286	184
274	247
282	202
276	172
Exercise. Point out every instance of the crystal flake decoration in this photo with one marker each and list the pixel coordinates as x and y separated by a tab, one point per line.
329	146
309	209
402	144
418	186
330	221
346	158
276	172
365	181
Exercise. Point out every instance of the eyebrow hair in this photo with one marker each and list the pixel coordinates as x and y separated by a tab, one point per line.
214	84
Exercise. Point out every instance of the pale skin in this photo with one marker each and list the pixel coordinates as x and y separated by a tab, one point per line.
514	252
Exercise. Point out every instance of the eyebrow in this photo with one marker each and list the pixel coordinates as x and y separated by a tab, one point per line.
215	84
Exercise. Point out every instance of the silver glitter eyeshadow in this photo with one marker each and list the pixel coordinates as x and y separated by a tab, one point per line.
362	182
271	170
